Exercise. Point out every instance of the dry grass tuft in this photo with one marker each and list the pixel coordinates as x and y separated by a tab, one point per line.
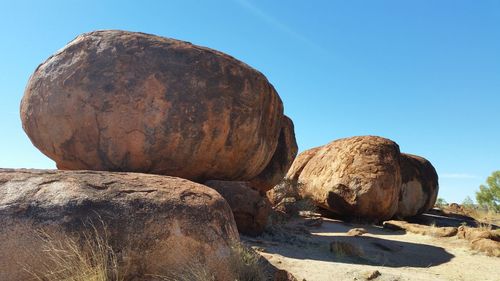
287	201
246	264
194	271
89	257
86	258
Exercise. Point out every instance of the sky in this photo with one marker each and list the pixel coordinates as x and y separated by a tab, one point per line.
424	73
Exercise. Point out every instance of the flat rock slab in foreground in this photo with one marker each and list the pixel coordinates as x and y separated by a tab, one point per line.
154	223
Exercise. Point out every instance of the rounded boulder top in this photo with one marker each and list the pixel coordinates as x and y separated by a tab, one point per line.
356	177
420	186
126	101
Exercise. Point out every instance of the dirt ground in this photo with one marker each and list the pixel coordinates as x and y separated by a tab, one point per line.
309	254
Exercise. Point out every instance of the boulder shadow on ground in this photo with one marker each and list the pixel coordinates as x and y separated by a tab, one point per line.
366	250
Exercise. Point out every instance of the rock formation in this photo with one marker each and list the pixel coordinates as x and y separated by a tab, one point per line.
250	209
419	186
281	161
300	162
126	101
355	177
154	223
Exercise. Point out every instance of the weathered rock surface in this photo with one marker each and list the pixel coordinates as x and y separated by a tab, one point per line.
126	101
154	223
355	177
471	233
300	162
250	209
356	232
419	186
421	229
283	275
287	188
483	240
281	161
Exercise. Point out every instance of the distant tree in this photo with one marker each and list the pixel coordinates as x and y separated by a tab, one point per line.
489	194
440	202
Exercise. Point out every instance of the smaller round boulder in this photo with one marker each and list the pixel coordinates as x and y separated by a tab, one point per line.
353	177
419	187
281	161
250	209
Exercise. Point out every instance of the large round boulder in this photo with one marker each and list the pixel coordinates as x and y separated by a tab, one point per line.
281	161
355	177
125	101
250	209
153	224
300	162
419	187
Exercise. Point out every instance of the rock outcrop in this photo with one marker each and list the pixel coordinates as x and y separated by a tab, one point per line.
419	186
447	231
281	161
154	223
354	177
126	101
250	209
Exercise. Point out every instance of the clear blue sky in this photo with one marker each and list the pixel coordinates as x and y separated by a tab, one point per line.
424	73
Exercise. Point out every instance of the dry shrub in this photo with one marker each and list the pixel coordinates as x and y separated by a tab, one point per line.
194	271
287	188
88	257
246	264
286	199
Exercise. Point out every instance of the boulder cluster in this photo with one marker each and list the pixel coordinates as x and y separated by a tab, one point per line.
170	148
170	145
366	178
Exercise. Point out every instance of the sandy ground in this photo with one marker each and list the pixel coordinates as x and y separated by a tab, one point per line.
306	253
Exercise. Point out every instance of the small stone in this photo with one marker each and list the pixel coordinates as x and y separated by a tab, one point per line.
315	222
356	232
372	275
